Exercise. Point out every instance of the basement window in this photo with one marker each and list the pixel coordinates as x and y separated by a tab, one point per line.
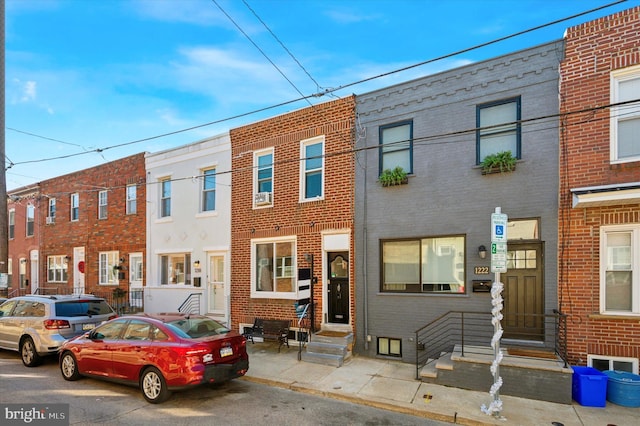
604	362
389	347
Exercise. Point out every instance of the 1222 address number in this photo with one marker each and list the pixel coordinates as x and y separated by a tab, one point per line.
481	270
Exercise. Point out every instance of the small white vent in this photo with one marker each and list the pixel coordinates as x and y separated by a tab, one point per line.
51	220
262	198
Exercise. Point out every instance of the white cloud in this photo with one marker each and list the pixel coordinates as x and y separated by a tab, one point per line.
29	91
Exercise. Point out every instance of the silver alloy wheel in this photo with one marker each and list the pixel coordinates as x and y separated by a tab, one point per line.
30	357
151	385
68	366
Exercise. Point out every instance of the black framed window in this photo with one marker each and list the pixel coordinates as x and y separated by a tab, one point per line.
396	146
498	128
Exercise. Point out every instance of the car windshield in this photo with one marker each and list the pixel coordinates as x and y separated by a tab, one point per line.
198	327
79	308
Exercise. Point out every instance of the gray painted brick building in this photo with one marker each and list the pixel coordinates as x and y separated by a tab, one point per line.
417	243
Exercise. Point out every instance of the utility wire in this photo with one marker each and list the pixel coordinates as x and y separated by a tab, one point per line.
319	94
262	52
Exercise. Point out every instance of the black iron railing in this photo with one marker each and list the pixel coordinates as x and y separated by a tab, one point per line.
191	304
474	329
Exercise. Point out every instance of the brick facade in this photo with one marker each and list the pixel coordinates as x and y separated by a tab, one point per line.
593	50
306	221
120	232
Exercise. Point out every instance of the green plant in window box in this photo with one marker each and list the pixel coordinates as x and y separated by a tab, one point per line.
499	162
392	177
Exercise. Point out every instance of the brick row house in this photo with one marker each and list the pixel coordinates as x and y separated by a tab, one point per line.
83	231
422	245
292	208
188	228
293	211
599	271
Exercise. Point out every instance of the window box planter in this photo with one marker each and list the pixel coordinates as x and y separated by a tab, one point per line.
393	177
500	162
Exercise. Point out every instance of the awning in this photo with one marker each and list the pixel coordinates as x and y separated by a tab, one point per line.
606	195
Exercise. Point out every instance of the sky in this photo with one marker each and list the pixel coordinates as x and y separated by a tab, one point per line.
91	81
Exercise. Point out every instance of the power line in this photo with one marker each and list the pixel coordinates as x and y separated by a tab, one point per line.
318	94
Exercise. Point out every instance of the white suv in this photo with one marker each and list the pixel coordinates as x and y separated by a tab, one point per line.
38	325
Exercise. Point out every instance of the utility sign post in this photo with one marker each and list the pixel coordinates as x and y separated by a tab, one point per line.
498	265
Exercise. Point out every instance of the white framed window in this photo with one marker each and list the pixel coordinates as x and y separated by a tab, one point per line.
165	197
51	211
131	201
312	169
617	363
22	273
10	272
498	125
208	198
274	266
31	217
263	178
625	119
175	268
12	224
108	267
619	270
75	207
56	269
396	146
102	205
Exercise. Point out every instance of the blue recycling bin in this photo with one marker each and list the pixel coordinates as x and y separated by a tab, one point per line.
589	387
623	388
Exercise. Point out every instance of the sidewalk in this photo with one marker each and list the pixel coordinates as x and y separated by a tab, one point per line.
392	385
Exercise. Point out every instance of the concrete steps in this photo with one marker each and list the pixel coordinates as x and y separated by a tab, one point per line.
329	348
526	377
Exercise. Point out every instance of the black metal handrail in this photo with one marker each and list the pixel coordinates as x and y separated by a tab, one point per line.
191	304
474	329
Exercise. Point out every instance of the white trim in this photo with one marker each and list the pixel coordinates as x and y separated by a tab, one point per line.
611	359
273	294
629	73
604	198
303	144
634	229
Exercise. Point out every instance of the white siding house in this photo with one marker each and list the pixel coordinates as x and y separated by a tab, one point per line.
189	228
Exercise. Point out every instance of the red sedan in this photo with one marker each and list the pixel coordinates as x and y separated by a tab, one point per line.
157	352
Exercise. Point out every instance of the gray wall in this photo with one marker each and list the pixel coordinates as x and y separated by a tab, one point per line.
447	193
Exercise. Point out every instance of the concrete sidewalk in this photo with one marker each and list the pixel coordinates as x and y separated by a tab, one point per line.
392	385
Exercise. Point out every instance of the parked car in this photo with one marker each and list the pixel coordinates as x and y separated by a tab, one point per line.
159	353
38	325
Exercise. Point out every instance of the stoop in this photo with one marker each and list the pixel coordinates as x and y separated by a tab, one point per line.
329	348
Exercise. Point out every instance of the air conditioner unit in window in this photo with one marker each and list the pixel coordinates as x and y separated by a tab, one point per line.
262	198
51	220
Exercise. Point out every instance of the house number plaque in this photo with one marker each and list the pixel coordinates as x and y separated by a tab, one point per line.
481	270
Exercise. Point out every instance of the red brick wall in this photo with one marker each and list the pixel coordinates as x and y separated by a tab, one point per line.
20	246
334	120
593	50
119	231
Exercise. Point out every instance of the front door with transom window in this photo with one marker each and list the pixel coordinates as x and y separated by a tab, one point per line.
523	294
338	287
216	286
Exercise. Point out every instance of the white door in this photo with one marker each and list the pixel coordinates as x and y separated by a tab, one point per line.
35	279
135	281
216	285
78	270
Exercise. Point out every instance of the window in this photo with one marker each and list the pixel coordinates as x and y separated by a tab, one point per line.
175	269
51	212
75	207
263	178
131	207
498	128
426	265
31	214
275	266
165	198
56	269
389	347
625	119
102	205
619	269
209	190
12	224
396	146
10	272
22	273
312	165
108	268
604	363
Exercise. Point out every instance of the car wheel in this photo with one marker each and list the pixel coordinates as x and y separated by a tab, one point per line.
30	357
69	367
153	386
